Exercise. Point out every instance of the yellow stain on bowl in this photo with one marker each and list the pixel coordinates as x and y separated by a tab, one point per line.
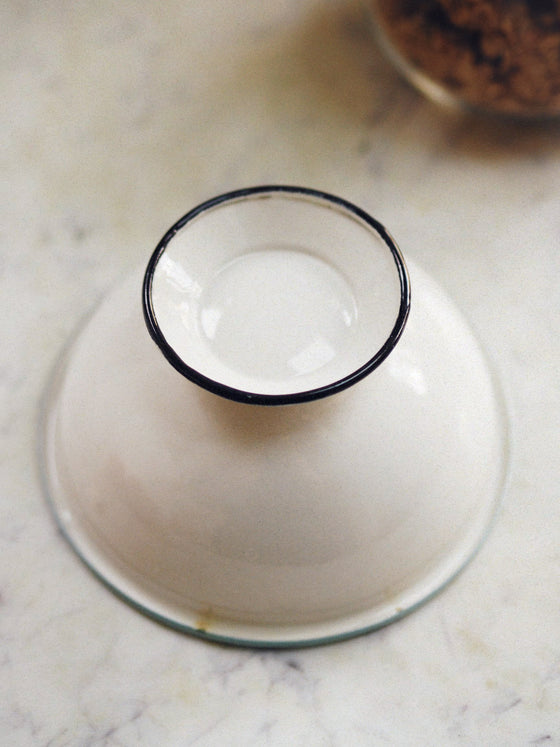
204	620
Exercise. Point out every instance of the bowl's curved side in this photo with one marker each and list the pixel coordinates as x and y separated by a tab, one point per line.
275	526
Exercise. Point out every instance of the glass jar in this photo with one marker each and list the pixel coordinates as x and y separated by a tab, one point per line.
494	55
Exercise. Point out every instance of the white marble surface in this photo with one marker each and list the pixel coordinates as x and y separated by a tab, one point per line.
119	116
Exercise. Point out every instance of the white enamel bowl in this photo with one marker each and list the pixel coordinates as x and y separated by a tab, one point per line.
337	503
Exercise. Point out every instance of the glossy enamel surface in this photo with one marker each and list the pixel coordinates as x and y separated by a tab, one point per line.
276	294
286	525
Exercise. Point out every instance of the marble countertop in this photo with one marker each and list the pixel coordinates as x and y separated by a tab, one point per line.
117	118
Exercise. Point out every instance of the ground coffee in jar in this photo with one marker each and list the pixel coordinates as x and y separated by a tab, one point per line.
501	55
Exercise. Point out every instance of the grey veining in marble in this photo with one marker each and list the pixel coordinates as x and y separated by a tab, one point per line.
116	119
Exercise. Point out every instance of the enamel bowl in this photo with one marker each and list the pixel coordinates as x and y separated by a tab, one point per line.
266	437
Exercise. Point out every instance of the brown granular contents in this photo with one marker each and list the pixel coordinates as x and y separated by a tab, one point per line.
496	54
